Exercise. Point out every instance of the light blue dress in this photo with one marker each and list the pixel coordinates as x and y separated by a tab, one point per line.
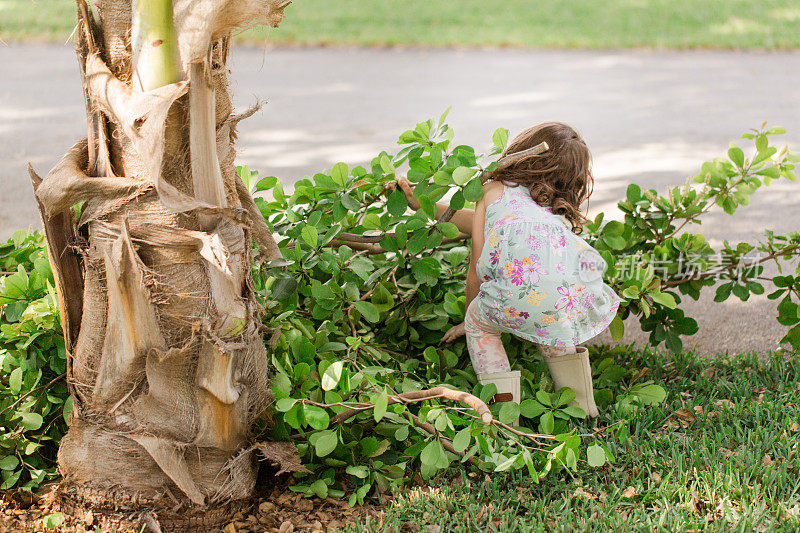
540	281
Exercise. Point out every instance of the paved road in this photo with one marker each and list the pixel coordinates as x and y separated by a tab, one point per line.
649	117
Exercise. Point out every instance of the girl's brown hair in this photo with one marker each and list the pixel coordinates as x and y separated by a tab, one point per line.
560	178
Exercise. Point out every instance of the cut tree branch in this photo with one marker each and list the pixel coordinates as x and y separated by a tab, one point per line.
466	398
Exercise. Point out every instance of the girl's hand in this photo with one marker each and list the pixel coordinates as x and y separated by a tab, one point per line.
408	190
454	333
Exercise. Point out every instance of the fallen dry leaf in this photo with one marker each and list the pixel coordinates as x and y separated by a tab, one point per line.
767	460
630	492
725	403
681	418
759	392
708	373
656	477
481	513
583	493
795	427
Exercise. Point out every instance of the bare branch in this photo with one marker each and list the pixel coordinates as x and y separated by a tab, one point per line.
466	398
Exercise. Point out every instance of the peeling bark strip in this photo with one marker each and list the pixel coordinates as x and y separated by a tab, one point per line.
167	369
132	328
67	269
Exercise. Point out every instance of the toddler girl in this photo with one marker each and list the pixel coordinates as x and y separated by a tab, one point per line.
531	275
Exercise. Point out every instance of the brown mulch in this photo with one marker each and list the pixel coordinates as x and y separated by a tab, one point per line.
275	509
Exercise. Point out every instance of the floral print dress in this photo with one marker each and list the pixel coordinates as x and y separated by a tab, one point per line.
539	280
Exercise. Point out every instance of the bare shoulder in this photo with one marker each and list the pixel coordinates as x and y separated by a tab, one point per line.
491	192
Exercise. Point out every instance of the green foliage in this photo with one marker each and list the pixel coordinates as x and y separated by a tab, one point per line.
655	260
358	317
34	402
367	289
372	286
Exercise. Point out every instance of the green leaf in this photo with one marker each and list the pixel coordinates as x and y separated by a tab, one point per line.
427	271
723	292
52	521
332	375
530	408
368	311
30	421
319	488
650	394
15	380
617	328
596	455
664	298
508	463
9	462
360	472
371	221
461	175
564	396
457	201
284	404
381	402
544	398
325	442
500	138
509	412
462	440
448	229
736	155
396	204
614	242
316	416
265	184
401	434
310	235
574	411
547	423
386	164
634	193
433	455
284	288
473	191
339	174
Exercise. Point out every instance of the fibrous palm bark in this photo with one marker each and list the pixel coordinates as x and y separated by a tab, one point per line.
166	366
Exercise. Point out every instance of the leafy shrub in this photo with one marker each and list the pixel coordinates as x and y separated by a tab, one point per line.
359	313
34	402
356	312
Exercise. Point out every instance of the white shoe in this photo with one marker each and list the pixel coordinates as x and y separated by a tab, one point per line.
574	371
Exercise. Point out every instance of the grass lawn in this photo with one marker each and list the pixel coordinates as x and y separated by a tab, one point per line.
735	467
593	24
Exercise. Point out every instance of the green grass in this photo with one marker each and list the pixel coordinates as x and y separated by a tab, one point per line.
710	476
593	24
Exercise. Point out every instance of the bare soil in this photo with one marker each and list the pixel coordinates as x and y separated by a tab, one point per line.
275	509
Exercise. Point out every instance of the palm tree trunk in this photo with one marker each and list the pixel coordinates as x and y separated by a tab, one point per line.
167	368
